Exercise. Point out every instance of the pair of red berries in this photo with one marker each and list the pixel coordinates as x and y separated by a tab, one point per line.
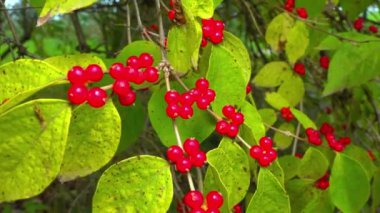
230	126
313	136
324	62
337	145
181	105
264	152
299	68
286	114
194	156
212	31
78	92
289	6
359	24
323	183
194	200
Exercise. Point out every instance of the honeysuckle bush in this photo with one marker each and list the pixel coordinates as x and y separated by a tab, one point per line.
287	121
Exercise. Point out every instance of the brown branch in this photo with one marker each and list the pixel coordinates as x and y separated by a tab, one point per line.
82	45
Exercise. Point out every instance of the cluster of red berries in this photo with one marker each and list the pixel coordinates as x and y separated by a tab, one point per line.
230	126
286	114
264	152
181	104
313	136
212	30
359	24
79	93
171	13
194	156
299	68
194	200
324	62
323	183
289	6
336	144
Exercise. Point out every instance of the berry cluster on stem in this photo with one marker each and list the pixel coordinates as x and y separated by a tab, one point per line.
264	152
359	25
323	183
230	126
212	31
195	201
287	114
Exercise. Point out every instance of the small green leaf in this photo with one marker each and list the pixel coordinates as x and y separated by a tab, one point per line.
276	100
203	9
349	185
292	89
290	165
272	74
56	7
92	142
281	140
268	116
138	184
200	126
270	196
305	121
278	30
301	193
32	143
297	42
253	120
313	164
231	165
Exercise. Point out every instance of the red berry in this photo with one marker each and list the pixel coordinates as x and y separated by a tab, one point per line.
198	159
77	94
193	199
265	161
222	127
272	154
322	184
191	146
324	62
202	84
299	68
256	152
151	74
203	103
228	111
171	3
266	143
131	73
171	14
77	75
197	211
326	128
237	209
289	5
172	96
358	23
94	73
133	61
186	112
298	155
371	155
174	153
196	93
214	199
187	99
121	87
302	13
204	42
128	98
373	29
212	211
210	95
145	60
140	78
287	114
248	89
207	31
183	165
96	97
117	71
344	140
218	25
233	131
313	136
237	118
172	110
216	37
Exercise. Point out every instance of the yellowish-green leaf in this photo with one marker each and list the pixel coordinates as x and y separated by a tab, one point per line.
272	74
305	121
203	9
253	120
297	42
292	89
278	30
276	100
313	164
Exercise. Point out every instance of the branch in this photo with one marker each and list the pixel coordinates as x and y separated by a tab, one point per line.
294	149
129	36
83	47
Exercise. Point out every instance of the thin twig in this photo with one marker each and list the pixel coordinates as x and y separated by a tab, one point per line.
129	36
253	18
191	182
286	133
243	141
200	179
294	148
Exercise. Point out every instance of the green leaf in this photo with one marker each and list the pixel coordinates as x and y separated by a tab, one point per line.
301	193
276	100
349	185
56	7
231	165
314	8
17	84
297	42
212	183
229	72
138	184
330	43
33	138
281	140
292	89
376	191
203	9
278	30
321	203
276	169
305	121
200	126
92	142
253	120
361	156
268	116
313	164
353	64
290	165
183	54
64	63
270	196
354	8
272	74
